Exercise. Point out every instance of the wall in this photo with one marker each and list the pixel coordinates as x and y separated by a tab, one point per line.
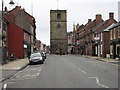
15	40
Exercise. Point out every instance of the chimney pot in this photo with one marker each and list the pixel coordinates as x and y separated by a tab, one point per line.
89	20
111	15
98	16
5	9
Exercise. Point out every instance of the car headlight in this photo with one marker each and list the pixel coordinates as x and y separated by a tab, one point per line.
40	58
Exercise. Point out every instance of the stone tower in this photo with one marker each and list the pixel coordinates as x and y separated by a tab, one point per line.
58	32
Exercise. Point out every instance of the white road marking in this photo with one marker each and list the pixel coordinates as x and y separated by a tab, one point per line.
77	67
5	86
38	74
97	81
23	78
81	70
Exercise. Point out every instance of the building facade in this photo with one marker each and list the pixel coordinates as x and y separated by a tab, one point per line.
25	27
70	45
3	39
58	32
93	38
115	41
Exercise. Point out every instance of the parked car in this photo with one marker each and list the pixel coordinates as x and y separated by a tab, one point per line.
36	58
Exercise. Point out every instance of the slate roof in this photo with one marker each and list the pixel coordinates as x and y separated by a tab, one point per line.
116	25
98	26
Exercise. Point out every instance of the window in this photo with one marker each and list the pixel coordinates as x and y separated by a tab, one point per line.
101	36
58	16
111	34
58	26
101	49
0	23
118	31
111	49
114	33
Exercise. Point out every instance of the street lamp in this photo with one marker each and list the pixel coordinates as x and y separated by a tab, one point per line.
11	3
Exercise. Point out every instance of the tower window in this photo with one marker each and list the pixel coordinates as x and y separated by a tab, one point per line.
58	26
58	16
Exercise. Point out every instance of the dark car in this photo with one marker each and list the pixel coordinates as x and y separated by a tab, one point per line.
36	58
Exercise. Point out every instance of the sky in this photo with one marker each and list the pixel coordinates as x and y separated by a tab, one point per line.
78	11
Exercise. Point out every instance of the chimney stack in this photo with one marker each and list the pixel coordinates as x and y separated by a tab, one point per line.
111	15
89	20
5	9
98	17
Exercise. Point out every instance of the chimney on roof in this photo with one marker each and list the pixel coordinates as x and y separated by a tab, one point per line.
89	20
5	9
111	15
98	17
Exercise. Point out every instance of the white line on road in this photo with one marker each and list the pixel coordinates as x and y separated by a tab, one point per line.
76	67
97	81
5	86
81	71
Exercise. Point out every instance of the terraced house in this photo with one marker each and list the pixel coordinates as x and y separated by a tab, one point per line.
21	32
93	38
115	41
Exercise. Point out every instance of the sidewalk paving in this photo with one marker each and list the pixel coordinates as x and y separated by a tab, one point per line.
7	70
109	60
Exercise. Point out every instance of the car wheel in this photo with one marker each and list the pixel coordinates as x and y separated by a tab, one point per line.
30	63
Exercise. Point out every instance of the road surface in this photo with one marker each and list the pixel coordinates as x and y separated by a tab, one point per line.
68	71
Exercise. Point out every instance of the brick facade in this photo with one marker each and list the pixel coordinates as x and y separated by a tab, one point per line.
94	37
115	41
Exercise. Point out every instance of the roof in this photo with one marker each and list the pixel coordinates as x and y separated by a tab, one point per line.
99	25
30	18
107	29
116	25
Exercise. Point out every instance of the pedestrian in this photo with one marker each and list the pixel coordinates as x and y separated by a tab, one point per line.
28	55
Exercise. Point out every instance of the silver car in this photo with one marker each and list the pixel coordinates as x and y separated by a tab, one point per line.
36	58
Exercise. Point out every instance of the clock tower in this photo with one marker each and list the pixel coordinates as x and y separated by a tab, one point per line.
58	32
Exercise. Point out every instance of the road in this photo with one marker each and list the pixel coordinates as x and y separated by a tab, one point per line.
67	71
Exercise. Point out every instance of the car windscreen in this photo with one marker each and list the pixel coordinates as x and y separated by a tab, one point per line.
35	55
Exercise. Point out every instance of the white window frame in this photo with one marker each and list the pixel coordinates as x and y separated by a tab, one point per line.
101	35
111	34
111	49
101	47
114	33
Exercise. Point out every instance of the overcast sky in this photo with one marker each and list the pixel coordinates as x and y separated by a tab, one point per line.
78	11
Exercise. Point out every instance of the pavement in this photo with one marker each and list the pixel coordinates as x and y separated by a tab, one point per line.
108	60
9	69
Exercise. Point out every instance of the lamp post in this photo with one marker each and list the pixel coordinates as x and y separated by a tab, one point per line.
3	54
11	3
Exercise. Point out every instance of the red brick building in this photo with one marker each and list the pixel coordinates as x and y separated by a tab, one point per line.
115	41
15	40
94	37
101	45
25	27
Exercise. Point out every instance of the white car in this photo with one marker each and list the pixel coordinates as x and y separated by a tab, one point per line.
36	58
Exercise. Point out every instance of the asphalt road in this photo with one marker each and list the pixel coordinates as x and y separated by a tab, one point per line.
66	72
